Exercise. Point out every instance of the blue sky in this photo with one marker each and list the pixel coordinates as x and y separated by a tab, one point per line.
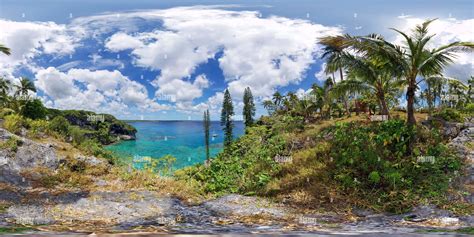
170	60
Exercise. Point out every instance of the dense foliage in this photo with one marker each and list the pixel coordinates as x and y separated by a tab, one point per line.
371	162
352	163
245	167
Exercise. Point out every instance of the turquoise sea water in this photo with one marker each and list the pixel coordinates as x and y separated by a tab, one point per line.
181	139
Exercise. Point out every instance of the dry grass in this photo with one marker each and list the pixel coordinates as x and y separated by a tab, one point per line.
121	179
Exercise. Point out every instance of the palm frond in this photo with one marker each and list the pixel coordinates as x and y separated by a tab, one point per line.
4	49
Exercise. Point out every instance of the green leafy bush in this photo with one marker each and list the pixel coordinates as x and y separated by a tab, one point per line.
5	111
94	148
14	123
34	109
469	109
38	127
77	135
11	144
246	166
60	125
449	114
377	154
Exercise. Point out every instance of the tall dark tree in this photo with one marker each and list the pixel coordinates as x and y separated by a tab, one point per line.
249	107
207	125
226	118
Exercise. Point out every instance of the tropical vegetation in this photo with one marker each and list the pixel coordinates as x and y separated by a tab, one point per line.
311	150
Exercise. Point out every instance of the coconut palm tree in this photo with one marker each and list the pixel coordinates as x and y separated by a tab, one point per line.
333	50
432	93
24	88
4	88
414	57
322	97
456	91
305	107
470	92
290	101
4	49
4	85
277	100
377	77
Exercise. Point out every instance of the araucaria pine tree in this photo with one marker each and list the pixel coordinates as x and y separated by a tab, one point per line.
207	125
249	107
226	118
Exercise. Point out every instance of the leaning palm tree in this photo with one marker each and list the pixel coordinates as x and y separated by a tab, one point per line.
24	88
414	57
333	50
4	49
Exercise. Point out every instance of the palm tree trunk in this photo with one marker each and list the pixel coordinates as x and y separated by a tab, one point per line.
344	99
384	108
411	120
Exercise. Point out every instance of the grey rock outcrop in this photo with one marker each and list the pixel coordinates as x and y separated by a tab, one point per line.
463	145
27	154
239	205
447	129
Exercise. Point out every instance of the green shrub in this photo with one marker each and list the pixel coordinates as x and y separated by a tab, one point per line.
14	123
77	135
60	125
6	111
469	109
38	127
11	144
94	148
377	154
162	166
374	177
34	109
246	167
449	114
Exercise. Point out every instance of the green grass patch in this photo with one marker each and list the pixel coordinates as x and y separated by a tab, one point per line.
465	230
15	229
